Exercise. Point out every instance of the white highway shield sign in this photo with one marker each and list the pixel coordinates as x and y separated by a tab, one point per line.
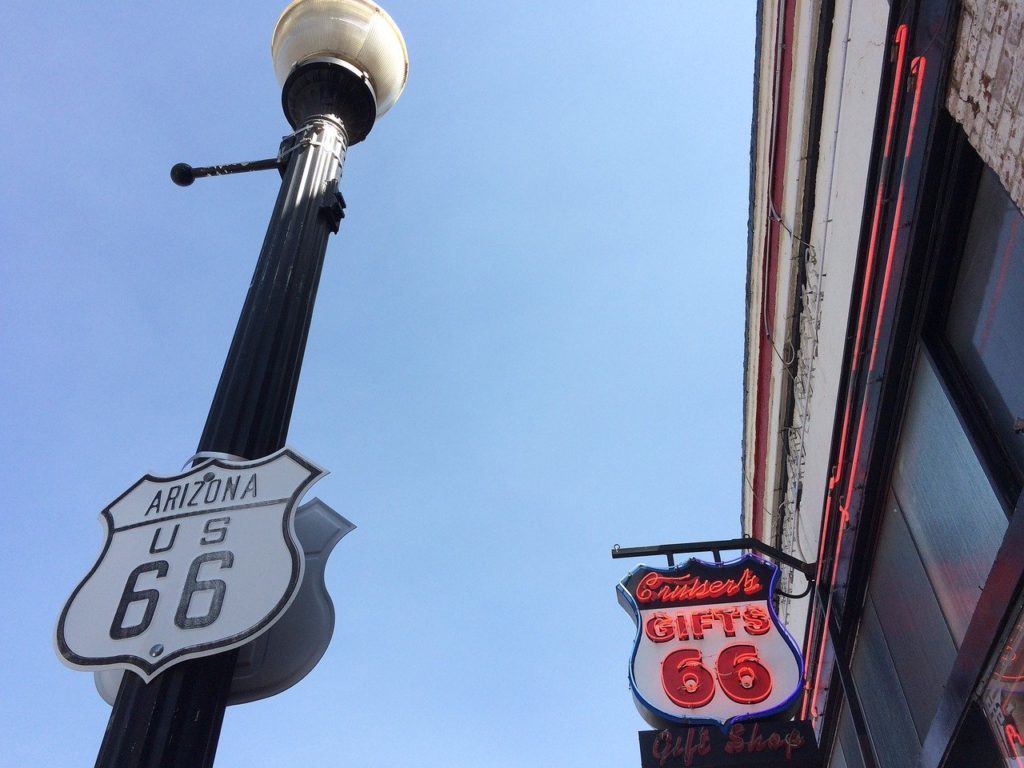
709	646
193	565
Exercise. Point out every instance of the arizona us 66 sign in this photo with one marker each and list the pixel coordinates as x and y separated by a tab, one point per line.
193	564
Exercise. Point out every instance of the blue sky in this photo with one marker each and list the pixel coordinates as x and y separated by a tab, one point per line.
527	348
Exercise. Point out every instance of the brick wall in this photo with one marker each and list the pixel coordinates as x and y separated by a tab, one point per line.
985	92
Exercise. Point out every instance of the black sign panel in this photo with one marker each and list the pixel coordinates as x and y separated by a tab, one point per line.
771	744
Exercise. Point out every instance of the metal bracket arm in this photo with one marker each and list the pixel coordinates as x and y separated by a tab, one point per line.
184	174
716	548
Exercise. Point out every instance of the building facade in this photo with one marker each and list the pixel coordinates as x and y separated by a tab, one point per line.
884	368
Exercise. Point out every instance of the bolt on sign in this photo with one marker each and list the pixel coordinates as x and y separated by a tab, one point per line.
193	564
709	646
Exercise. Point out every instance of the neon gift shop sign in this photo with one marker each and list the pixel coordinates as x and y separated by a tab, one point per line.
709	646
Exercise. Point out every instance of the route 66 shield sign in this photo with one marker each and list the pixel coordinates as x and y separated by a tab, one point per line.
193	564
709	646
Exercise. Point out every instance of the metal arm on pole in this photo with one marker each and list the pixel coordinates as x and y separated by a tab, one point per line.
184	174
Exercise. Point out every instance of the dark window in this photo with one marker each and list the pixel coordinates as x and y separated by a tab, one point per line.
915	630
952	512
889	721
846	752
985	324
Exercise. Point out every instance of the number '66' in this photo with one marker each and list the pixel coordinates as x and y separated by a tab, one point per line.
741	676
151	596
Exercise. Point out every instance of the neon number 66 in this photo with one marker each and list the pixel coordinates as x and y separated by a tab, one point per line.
742	676
151	596
689	684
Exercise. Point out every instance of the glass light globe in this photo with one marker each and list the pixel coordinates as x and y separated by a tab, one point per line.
358	32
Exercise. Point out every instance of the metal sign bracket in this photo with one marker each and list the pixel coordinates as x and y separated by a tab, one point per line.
716	548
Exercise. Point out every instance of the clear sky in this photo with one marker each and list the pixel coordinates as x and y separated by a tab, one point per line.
528	347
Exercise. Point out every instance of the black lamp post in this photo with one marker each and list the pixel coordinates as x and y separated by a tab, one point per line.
342	64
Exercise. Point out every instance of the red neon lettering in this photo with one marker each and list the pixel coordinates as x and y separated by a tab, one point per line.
756	620
655	587
659	628
666	746
727	616
686	681
699	621
742	676
736	743
645	589
662	626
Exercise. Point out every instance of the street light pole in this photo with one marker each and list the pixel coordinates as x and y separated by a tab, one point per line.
332	93
252	406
